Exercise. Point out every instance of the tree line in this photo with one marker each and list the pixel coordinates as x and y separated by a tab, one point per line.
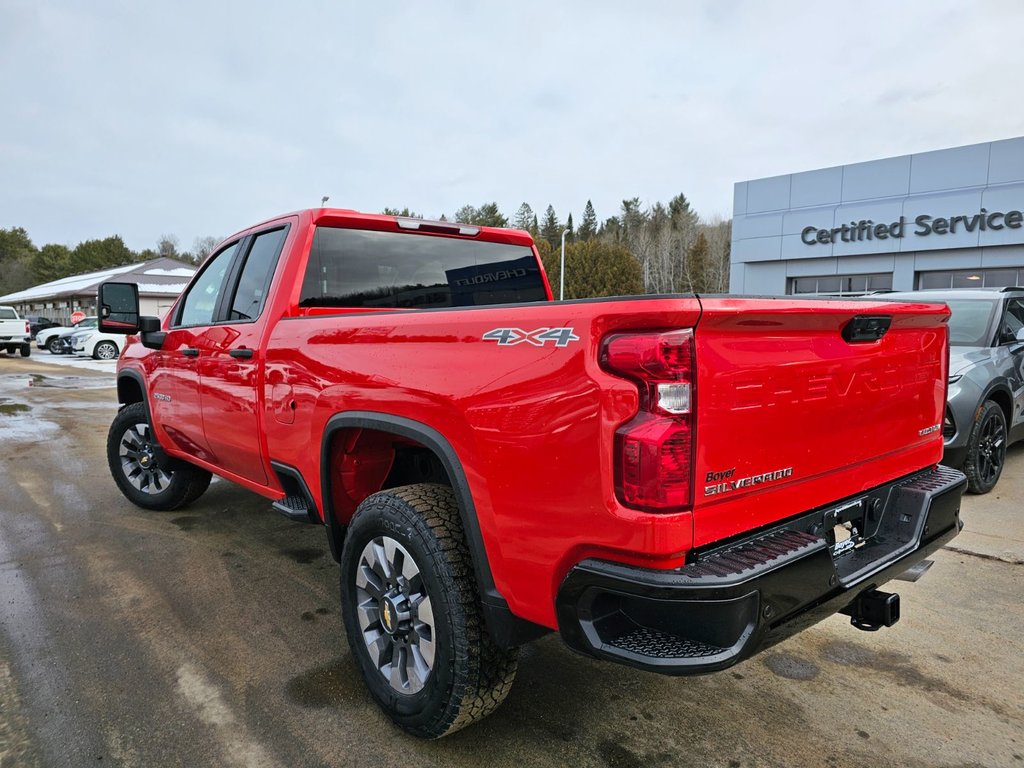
23	265
659	248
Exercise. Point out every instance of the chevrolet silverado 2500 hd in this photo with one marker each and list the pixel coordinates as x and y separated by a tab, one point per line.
670	482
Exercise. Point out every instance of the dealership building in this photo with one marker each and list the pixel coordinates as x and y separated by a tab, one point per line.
949	218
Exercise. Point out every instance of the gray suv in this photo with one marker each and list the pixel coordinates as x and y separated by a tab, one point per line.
986	378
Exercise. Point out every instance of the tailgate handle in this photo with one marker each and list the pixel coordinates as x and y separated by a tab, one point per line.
866	328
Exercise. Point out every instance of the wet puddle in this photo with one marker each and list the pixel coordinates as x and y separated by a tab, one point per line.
69	382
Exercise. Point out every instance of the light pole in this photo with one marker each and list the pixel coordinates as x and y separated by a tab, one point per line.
323	200
561	269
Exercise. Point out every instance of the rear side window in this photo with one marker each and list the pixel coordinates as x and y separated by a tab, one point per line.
8	314
256	274
350	268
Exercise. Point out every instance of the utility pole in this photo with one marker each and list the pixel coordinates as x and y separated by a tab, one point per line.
561	269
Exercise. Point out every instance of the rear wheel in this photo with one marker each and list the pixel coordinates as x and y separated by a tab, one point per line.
105	350
142	472
412	613
986	448
26	350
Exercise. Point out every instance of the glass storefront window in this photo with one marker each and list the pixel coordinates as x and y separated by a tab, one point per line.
839	285
970	278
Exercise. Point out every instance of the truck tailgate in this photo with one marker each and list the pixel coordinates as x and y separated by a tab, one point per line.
792	416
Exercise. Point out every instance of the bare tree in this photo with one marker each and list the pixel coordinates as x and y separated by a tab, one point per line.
167	246
203	247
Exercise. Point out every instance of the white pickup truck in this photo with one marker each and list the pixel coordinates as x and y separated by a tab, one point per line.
14	332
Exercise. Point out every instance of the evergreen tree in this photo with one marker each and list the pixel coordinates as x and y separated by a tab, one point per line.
698	265
92	255
16	255
535	228
15	245
611	230
588	228
524	217
551	229
489	215
51	263
592	269
682	214
405	213
568	225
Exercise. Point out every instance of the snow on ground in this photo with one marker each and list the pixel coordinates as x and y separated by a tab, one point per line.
72	361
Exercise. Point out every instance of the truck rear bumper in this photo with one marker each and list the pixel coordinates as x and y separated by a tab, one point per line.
740	597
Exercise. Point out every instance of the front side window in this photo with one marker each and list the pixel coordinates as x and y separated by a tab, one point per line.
201	300
256	274
350	268
1013	320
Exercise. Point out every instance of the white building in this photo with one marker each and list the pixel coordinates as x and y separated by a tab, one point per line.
160	283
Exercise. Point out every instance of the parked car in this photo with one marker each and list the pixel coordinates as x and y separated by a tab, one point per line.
985	402
37	324
99	346
50	338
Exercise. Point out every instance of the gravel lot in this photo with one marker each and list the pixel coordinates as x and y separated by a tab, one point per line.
211	637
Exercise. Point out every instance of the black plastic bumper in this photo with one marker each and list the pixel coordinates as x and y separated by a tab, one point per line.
741	597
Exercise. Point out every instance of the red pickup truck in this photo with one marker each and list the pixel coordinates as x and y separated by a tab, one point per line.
670	482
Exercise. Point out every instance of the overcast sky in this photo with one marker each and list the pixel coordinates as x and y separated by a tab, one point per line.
201	118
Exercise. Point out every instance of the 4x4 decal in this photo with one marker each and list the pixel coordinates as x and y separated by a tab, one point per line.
508	337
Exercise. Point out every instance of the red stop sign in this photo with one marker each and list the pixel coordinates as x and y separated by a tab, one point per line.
77	317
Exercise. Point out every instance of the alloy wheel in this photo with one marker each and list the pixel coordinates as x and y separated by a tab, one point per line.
991	448
395	614
139	462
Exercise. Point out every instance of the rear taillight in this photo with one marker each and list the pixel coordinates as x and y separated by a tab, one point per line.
28	327
654	451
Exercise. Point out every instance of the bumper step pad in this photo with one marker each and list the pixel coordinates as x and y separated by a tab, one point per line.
742	596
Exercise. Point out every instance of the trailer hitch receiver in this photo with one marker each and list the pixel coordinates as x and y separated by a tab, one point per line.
874	609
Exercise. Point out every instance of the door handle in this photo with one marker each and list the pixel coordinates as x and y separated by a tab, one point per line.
242	352
190	352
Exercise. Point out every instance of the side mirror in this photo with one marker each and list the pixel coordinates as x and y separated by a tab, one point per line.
118	308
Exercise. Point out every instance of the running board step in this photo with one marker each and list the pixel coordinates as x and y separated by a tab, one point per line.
294	508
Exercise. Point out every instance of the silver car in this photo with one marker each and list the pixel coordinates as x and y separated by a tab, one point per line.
985	404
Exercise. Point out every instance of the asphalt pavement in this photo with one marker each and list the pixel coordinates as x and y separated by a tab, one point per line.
211	636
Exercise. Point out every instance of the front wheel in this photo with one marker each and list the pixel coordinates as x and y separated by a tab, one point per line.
54	346
143	473
986	448
412	613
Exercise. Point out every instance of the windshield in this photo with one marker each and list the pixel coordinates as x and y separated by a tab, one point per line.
968	327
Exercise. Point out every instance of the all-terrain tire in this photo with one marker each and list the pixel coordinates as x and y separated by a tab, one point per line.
986	448
469	675
26	350
145	476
